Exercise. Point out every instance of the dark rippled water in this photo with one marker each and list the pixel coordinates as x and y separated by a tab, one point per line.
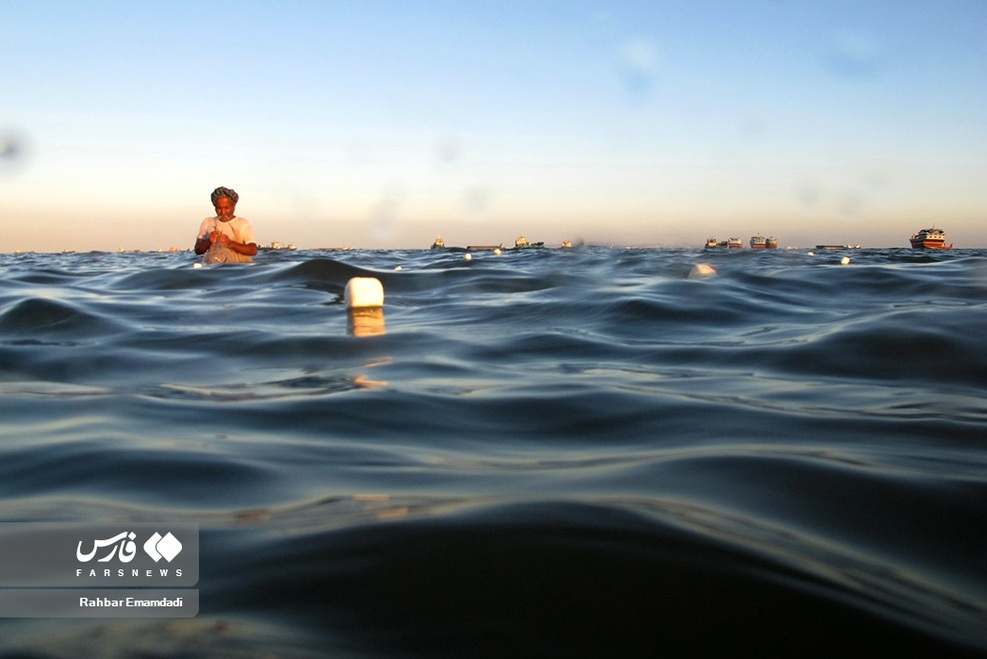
550	452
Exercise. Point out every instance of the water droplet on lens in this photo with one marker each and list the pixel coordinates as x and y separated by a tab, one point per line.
809	194
10	150
852	204
855	55
638	62
448	151
477	205
13	150
384	216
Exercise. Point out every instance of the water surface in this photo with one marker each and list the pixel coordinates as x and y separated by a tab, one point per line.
548	452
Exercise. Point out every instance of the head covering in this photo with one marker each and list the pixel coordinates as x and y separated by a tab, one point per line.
229	193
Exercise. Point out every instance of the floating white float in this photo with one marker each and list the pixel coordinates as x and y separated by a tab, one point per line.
702	271
468	256
363	293
845	260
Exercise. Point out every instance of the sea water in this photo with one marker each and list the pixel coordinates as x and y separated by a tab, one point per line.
561	452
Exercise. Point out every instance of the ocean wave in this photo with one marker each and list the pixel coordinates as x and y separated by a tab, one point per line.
563	452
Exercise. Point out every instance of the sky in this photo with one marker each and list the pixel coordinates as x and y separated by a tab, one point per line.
378	124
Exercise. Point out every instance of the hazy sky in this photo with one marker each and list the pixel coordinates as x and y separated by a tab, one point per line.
383	124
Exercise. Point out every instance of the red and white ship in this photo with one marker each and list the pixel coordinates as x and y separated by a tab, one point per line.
930	239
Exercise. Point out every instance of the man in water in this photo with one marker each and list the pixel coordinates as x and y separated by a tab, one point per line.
225	238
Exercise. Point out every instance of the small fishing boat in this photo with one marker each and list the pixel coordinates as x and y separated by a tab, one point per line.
711	242
931	238
278	246
758	242
439	243
772	243
735	243
522	243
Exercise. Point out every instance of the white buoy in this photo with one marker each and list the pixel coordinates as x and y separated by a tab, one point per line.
812	253
363	292
497	252
702	271
845	260
397	267
196	265
468	256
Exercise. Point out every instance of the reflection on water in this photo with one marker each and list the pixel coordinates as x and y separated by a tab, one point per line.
366	321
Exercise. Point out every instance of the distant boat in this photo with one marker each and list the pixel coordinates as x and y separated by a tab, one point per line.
772	243
522	243
711	242
735	243
566	244
837	246
758	242
278	246
439	243
930	239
